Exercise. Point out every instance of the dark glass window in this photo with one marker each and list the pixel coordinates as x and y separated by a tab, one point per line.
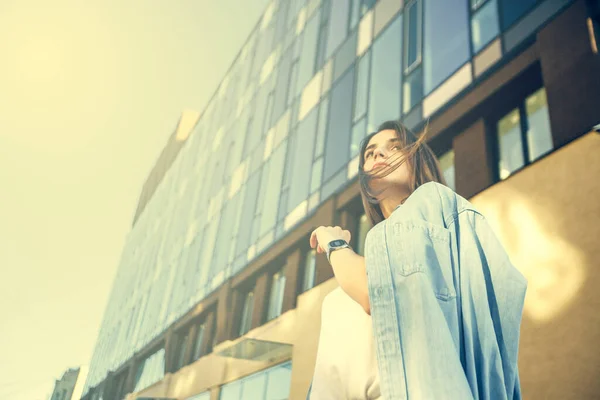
446	44
412	35
484	25
198	342
276	296
247	310
511	11
385	86
338	25
345	56
447	166
309	52
362	86
524	134
181	352
301	160
310	266
339	125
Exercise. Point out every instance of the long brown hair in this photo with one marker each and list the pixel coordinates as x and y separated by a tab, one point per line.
423	166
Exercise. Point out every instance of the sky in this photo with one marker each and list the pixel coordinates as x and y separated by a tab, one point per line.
89	93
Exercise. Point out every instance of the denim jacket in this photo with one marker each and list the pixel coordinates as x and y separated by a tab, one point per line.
446	302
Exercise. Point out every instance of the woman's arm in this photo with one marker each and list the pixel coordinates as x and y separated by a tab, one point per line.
349	268
350	271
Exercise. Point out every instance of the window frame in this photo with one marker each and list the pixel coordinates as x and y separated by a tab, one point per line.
408	69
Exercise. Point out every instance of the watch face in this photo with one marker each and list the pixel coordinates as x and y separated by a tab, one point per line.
337	243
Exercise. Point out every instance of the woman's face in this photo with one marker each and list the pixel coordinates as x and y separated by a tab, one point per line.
384	149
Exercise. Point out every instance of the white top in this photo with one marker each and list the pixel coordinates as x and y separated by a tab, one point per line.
346	366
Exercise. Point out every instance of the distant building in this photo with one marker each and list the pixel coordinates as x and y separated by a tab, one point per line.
70	386
218	295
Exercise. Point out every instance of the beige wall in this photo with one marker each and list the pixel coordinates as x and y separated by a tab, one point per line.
548	218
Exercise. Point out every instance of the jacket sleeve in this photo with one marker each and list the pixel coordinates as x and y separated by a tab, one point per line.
492	294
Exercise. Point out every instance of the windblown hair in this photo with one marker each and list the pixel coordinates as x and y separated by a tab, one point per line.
423	166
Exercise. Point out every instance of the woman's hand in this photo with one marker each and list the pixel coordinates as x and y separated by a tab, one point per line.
321	237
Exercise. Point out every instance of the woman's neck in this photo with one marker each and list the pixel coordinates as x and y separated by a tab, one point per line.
391	200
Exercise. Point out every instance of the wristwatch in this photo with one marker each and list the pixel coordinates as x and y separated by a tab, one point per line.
336	245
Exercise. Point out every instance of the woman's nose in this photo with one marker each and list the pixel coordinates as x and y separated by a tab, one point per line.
379	152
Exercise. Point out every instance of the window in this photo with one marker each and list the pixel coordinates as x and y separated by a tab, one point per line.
446	44
338	25
363	228
201	396
447	166
412	35
270	384
180	353
359	131
484	25
340	118
199	342
385	82
310	266
248	308
362	86
300	160
276	296
309	52
511	11
524	134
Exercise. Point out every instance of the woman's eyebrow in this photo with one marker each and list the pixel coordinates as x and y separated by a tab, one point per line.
388	141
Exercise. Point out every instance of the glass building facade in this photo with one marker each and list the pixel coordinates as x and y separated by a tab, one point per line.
281	135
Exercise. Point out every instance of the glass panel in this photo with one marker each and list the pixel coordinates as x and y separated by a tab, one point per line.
412	15
362	86
231	391
249	207
278	382
276	297
510	144
292	84
310	264
359	131
182	348
339	125
338	25
198	344
511	11
271	188
301	154
354	13
317	175
345	56
413	89
309	52
322	128
385	86
253	387
447	166
484	25
539	136
246	322
363	228
475	4
446	44
201	396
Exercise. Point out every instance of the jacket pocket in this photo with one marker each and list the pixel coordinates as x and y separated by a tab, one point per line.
424	248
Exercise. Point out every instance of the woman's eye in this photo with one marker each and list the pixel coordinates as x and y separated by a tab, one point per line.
368	155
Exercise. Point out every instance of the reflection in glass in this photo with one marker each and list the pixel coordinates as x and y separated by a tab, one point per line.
359	131
246	322
231	391
510	144
310	264
446	45
339	125
309	52
198	343
362	86
447	165
385	86
363	228
278	382
539	135
412	90
338	25
412	35
512	10
301	160
276	297
484	26
317	175
254	387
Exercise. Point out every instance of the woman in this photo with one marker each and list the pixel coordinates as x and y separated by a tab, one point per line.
433	310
